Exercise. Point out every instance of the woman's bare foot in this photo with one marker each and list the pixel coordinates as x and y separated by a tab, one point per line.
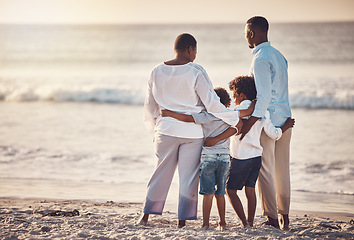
181	223
143	219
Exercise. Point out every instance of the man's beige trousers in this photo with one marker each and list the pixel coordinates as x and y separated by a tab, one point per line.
274	176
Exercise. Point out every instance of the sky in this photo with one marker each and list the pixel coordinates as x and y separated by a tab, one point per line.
164	11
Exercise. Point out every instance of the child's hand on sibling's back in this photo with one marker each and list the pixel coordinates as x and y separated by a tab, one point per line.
249	110
209	142
253	104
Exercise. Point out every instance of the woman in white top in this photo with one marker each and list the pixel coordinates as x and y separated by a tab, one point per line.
181	86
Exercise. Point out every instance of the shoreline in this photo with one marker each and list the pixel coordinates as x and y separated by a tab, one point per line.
24	219
135	193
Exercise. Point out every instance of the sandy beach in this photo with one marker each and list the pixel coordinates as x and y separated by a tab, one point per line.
56	219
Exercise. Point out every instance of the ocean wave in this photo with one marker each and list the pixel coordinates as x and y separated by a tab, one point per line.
59	94
328	177
64	165
328	192
335	99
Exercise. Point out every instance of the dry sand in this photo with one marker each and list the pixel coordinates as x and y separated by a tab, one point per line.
23	219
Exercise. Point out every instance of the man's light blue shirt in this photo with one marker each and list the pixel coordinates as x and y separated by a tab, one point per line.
269	68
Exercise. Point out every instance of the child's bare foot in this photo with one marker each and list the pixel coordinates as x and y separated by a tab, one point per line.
245	224
205	227
272	222
181	223
143	219
221	227
284	222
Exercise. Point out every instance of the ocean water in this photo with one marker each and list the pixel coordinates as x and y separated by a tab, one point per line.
71	100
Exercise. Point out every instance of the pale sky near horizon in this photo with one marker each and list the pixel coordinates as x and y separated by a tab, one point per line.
163	11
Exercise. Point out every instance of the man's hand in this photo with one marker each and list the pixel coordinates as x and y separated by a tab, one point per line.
247	125
209	142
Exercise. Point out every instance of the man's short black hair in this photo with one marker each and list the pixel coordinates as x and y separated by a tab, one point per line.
258	22
245	85
184	41
223	95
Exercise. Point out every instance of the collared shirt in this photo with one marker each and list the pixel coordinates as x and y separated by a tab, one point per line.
250	146
270	71
185	89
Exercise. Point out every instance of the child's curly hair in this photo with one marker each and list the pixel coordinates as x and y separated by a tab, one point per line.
245	85
223	95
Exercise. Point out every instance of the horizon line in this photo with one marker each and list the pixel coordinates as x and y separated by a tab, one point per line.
171	23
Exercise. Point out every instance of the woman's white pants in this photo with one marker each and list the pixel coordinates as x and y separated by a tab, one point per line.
172	152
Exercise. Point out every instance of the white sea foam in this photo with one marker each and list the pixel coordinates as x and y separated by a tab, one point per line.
73	94
334	99
317	99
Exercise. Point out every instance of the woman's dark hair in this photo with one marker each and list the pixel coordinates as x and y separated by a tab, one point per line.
184	41
223	95
258	22
245	85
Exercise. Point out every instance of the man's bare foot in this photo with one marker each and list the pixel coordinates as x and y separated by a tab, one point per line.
250	224
284	222
272	222
143	219
181	223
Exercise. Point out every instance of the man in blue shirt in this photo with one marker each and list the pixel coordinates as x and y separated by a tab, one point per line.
270	71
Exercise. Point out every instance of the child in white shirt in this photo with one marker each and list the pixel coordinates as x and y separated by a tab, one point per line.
246	153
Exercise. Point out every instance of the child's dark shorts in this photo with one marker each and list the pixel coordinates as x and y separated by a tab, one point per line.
243	173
